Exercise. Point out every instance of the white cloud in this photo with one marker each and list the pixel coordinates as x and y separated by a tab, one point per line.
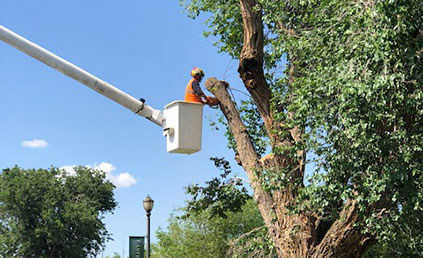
36	143
122	180
103	166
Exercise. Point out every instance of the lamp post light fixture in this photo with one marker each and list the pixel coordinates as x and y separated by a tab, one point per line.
148	204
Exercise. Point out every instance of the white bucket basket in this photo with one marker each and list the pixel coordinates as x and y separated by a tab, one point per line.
183	126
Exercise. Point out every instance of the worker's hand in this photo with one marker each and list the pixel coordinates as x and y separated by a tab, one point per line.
212	101
208	102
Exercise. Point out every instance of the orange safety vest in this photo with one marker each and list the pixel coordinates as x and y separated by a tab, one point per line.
190	95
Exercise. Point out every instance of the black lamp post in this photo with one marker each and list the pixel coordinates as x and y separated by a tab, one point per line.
148	204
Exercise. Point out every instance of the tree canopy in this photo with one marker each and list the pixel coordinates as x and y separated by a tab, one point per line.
337	85
46	213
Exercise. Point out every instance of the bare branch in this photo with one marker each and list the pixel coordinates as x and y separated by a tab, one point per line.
245	149
246	155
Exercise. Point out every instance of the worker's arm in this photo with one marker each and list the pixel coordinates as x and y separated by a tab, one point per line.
197	90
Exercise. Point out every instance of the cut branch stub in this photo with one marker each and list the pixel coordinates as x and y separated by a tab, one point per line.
214	85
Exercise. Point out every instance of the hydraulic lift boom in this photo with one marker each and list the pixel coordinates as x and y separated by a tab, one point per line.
89	80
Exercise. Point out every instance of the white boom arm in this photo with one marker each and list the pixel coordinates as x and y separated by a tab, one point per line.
89	80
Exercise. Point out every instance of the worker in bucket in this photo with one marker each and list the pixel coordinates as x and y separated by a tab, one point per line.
193	92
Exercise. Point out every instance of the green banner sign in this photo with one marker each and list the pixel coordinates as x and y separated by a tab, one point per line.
136	247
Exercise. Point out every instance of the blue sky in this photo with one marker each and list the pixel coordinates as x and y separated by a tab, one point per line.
145	48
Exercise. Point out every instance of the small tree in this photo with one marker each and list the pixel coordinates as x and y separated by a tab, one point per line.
46	213
202	234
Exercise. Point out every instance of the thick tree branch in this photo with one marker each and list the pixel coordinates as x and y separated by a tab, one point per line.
251	71
245	150
251	61
246	155
344	239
